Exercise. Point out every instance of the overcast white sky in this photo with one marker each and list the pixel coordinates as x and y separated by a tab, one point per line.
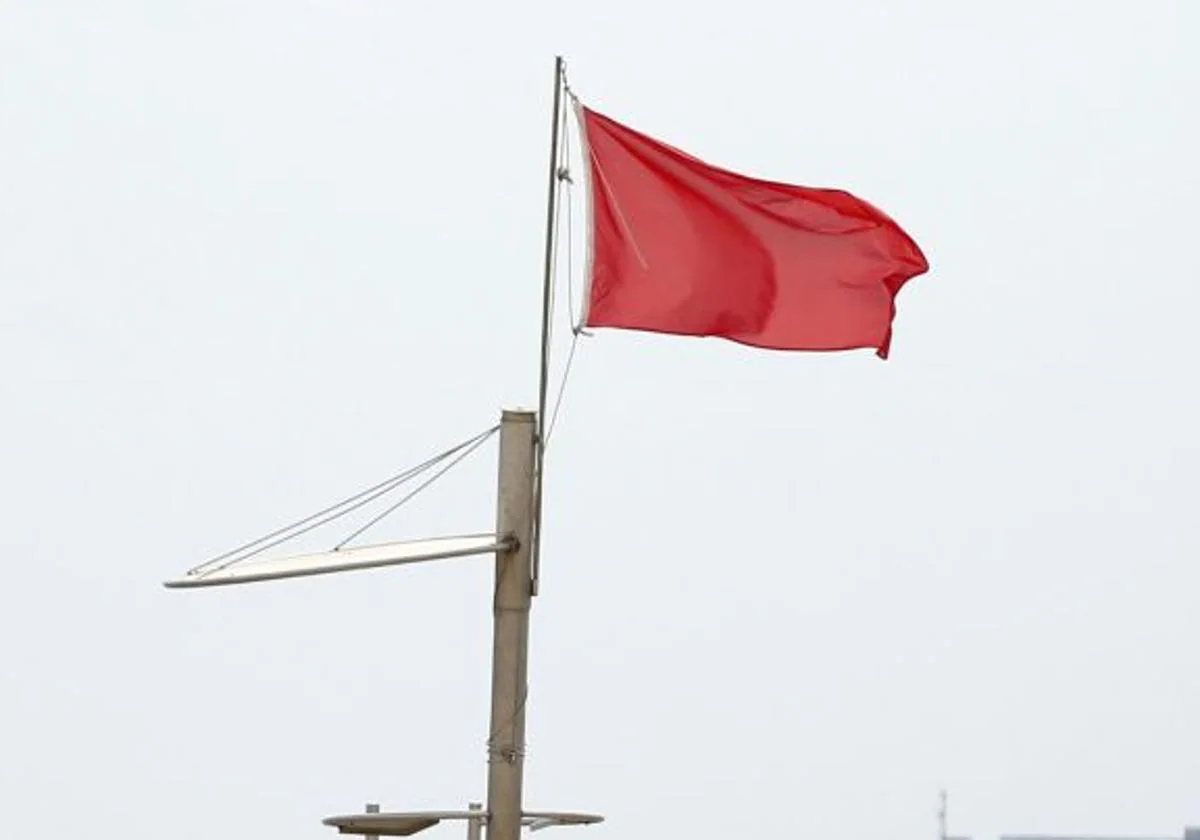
257	255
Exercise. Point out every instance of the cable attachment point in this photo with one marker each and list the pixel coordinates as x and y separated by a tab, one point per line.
564	174
505	754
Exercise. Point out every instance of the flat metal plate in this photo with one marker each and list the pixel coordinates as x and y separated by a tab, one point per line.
562	817
348	559
402	825
382	825
395	825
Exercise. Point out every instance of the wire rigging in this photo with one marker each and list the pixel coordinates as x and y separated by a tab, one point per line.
342	508
576	320
471	447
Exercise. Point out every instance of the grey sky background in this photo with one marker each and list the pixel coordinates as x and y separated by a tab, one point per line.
256	256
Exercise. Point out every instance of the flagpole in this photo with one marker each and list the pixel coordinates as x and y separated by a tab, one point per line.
510	627
547	314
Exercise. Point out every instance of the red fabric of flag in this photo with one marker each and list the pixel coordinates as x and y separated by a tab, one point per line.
679	246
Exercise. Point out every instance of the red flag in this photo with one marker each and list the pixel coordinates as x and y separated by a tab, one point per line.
679	246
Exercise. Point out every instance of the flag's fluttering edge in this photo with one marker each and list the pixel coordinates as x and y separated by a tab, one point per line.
679	246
